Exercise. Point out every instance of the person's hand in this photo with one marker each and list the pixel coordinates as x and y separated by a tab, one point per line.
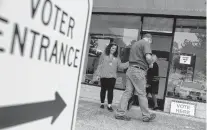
155	79
147	86
97	78
100	51
91	82
127	64
151	66
154	58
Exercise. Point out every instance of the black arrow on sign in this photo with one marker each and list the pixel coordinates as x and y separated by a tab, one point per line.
20	114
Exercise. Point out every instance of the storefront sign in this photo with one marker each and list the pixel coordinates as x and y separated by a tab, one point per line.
41	51
185	59
182	108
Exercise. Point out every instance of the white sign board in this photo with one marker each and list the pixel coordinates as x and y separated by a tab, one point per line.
182	108
185	59
42	46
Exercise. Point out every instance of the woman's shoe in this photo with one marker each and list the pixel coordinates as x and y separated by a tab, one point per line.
102	106
110	109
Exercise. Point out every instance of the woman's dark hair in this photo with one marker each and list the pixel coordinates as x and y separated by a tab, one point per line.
108	48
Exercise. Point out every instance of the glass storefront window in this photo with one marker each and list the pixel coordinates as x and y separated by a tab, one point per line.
158	24
193	23
187	78
123	30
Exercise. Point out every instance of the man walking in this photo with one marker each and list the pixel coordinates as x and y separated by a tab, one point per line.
140	60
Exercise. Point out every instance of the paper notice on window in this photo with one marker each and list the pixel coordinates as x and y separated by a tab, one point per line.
185	59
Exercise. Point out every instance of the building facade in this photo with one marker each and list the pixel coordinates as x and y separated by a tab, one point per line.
178	28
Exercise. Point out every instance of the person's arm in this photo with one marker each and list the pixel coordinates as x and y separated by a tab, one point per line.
122	65
157	69
98	70
156	72
148	55
149	60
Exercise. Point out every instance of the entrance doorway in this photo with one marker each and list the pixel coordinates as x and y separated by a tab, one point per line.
161	47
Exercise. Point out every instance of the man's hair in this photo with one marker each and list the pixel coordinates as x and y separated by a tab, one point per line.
147	36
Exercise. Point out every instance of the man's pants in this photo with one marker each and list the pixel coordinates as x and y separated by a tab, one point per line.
135	79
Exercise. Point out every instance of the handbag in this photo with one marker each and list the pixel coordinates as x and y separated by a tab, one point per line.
131	101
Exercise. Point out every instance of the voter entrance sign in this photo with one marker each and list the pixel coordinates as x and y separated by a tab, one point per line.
42	45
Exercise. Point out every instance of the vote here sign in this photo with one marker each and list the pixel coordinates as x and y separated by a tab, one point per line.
42	46
182	108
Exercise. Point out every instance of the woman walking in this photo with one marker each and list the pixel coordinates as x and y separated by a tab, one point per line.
106	72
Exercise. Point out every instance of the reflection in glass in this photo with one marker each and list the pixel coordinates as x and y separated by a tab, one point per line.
187	78
121	29
158	24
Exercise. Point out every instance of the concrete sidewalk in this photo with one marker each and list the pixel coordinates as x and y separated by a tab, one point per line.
91	117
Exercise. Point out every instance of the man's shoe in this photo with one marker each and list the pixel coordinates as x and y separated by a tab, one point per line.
110	109
102	106
126	118
147	119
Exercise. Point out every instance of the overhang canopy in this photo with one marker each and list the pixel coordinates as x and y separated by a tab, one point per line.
167	7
